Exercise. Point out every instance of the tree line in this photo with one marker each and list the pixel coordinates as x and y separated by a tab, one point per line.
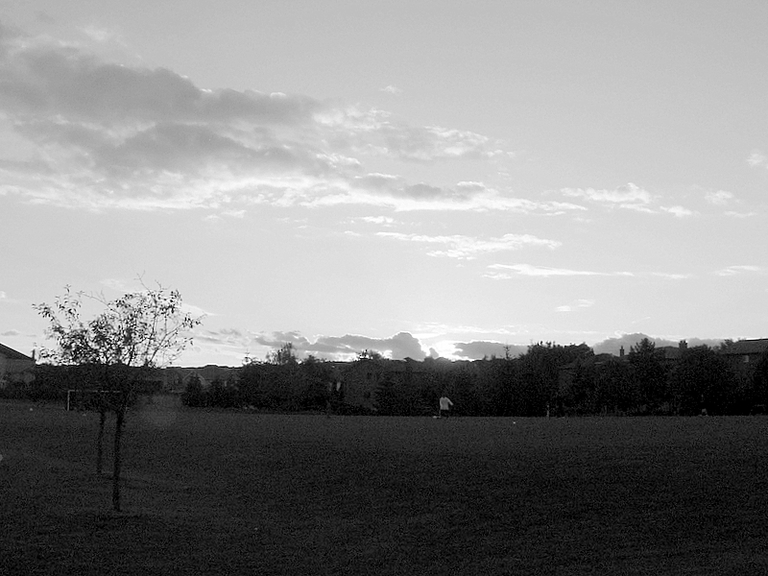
549	379
281	383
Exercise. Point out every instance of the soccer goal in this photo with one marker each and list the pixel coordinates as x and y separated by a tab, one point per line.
92	400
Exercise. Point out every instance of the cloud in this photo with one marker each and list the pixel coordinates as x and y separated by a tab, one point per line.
719	197
677	211
347	347
101	35
577	304
757	158
195	311
672	276
400	346
508	271
627	196
614	345
467	247
121	285
376	133
394	90
380	220
391	191
101	135
735	270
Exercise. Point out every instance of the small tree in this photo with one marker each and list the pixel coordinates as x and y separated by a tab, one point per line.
702	379
194	395
130	336
283	356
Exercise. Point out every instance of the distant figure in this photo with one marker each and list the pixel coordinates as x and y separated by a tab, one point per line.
445	406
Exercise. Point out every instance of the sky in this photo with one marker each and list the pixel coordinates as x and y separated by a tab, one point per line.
414	177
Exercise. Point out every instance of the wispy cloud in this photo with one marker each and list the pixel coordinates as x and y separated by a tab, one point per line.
672	276
719	197
391	191
678	211
102	35
394	90
726	199
508	271
757	158
631	197
577	304
468	247
375	132
734	214
238	214
628	196
380	220
736	270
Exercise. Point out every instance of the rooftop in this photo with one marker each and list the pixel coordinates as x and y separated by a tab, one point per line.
12	354
743	347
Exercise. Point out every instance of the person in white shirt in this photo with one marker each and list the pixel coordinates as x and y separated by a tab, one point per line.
445	406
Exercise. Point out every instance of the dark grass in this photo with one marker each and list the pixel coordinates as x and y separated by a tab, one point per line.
229	493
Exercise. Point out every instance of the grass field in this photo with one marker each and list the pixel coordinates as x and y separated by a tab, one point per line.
231	493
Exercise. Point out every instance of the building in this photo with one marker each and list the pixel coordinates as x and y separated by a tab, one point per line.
743	355
15	367
363	381
175	379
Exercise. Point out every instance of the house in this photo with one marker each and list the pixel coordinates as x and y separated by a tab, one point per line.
175	379
15	367
671	355
360	382
743	355
363	379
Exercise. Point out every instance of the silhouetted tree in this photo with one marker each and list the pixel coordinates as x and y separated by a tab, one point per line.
615	391
193	395
463	393
701	379
759	392
132	335
648	374
539	374
222	394
282	356
314	387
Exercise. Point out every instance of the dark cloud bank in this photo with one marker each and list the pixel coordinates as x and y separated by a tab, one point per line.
405	345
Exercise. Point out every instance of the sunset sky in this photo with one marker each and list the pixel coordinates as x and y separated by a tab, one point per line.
414	177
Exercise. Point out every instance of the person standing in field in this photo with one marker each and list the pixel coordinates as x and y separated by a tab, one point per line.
445	406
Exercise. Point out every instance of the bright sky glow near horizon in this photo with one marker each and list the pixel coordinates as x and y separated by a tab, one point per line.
406	176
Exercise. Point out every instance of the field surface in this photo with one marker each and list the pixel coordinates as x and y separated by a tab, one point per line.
234	493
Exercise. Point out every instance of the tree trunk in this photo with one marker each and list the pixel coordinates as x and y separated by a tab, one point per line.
100	442
120	416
